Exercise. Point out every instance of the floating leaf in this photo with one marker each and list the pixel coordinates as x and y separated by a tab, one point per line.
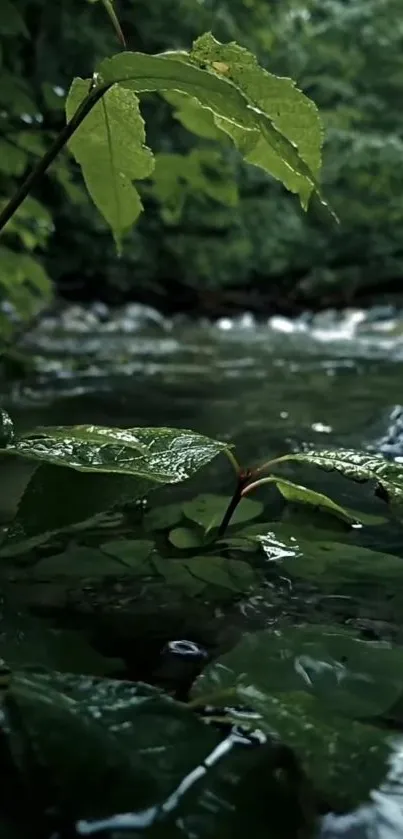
345	760
161	518
233	574
207	510
184	537
79	561
158	455
195	574
358	466
354	677
109	146
131	553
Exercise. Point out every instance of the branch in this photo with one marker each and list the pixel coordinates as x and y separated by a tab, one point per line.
94	95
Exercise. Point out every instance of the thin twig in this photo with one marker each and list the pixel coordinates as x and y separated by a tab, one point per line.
43	164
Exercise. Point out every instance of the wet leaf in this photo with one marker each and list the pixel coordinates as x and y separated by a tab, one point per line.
157	455
344	759
207	510
54	499
302	495
354	677
28	642
195	574
147	743
358	466
233	574
81	561
131	553
161	518
267	673
184	538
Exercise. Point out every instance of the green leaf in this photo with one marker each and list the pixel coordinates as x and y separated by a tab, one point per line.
113	559
196	574
28	642
109	146
207	510
11	22
232	574
161	518
23	283
299	681
302	495
133	734
185	537
234	110
55	498
290	111
6	429
354	677
157	455
196	119
358	466
202	171
131	553
79	561
345	760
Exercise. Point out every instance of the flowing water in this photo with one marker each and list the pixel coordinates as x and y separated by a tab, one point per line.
270	388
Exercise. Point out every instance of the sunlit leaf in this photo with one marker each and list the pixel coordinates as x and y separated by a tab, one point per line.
157	455
109	146
291	113
358	466
229	102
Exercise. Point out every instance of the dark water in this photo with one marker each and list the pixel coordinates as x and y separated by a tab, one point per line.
270	388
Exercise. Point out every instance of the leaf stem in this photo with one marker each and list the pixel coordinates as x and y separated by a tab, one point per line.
232	459
269	463
243	478
256	484
94	95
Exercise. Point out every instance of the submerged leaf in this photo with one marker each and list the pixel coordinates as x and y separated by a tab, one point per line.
185	537
354	677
